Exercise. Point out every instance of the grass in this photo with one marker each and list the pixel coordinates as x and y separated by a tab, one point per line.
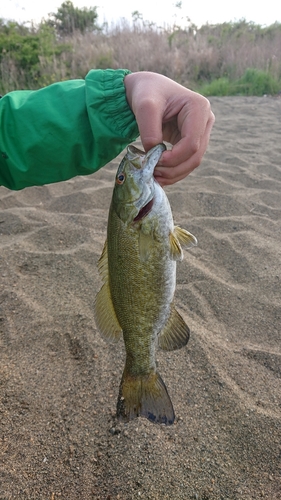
227	59
253	82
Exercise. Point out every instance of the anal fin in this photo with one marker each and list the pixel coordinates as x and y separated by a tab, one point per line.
175	333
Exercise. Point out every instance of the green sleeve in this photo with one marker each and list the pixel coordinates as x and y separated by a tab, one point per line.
63	130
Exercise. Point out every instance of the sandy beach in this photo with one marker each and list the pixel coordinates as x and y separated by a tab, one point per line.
59	379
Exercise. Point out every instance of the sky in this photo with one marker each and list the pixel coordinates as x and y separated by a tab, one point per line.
111	11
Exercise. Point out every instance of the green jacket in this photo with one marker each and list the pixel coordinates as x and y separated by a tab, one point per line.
63	130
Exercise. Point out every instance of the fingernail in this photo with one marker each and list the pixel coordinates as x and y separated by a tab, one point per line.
157	173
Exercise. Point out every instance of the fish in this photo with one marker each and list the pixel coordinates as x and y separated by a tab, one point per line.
138	271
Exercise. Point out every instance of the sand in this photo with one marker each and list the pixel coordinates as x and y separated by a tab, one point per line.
59	379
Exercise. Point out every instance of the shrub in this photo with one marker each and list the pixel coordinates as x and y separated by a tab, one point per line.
257	82
224	59
253	82
219	87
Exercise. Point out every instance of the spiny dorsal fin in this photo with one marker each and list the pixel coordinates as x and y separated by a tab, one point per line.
105	317
185	238
175	334
103	263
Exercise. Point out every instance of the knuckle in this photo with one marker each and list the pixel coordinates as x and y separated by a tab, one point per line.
193	146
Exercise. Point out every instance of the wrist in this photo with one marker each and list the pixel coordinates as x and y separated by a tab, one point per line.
129	83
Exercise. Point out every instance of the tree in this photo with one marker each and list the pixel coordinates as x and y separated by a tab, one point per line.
69	19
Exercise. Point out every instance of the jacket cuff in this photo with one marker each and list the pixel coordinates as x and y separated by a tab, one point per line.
109	111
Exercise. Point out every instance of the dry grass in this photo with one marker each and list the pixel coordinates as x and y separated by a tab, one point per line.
191	56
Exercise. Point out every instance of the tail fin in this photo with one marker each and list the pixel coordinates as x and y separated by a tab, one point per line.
144	396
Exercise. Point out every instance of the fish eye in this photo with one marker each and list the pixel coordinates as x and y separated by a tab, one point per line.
120	178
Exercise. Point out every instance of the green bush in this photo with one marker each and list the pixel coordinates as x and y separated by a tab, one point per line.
257	82
218	87
238	58
253	82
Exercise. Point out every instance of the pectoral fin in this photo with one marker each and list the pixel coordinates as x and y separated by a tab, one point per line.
175	334
145	245
180	238
104	313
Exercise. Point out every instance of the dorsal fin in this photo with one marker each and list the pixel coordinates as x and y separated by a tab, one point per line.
175	333
103	263
104	312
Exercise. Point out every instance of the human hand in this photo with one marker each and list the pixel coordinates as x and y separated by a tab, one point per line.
167	111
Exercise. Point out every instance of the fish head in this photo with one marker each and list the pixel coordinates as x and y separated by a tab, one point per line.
134	183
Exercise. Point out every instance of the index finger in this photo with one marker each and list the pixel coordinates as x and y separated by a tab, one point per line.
195	133
169	170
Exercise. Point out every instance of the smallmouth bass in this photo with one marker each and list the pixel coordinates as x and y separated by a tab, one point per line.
138	269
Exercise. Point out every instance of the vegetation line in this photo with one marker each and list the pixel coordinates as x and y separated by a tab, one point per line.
238	58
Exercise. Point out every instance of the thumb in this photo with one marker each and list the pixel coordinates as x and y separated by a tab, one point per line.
149	120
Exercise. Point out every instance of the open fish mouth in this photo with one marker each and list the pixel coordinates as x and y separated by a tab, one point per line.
144	210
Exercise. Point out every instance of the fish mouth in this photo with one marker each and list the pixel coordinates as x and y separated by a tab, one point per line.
144	210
